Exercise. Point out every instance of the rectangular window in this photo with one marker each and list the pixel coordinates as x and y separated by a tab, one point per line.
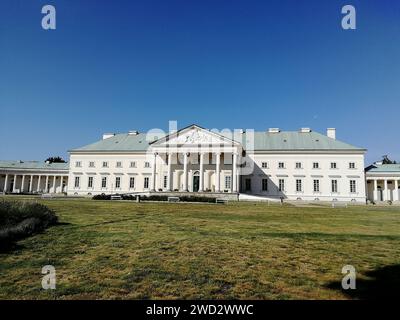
264	165
298	165
147	164
77	181
353	186
105	164
165	182
132	182
334	186
118	182
281	165
146	182
352	165
133	164
316	185
90	182
281	185
227	182
91	164
104	182
248	184
119	164
333	165
264	184
299	187
78	164
315	165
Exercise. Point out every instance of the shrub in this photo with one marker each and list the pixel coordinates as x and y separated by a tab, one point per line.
196	199
156	198
102	197
22	219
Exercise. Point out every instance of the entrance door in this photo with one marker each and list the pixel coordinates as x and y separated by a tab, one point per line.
196	183
380	194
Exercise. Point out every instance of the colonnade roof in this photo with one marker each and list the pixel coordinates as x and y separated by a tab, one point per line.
383	168
40	165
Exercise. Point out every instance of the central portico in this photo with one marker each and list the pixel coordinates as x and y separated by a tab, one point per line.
195	160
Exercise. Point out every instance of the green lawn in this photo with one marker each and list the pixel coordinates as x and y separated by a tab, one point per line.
128	250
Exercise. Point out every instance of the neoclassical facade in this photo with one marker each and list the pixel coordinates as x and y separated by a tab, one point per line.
294	165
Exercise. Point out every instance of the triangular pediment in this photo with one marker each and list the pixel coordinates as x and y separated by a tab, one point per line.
194	135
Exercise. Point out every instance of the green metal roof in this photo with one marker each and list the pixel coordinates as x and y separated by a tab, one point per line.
33	165
265	141
383	168
119	142
293	140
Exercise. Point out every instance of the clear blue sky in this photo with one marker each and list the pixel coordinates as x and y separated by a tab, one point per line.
121	65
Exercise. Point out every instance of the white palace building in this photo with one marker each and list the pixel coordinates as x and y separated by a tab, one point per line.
294	165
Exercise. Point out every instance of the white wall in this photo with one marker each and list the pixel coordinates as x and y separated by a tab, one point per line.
343	174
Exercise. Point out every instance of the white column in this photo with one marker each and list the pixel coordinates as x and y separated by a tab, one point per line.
38	183
54	184
15	183
234	173
238	174
185	177
46	189
375	194
61	184
385	192
30	184
396	191
153	177
218	172
201	184
22	183
5	184
169	178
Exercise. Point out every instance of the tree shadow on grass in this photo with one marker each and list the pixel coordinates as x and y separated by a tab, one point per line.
10	244
382	283
10	247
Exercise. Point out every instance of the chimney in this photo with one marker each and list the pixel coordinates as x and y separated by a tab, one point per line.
108	135
133	133
331	133
305	130
274	130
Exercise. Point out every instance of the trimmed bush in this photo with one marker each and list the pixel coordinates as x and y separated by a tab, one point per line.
20	219
102	197
197	199
156	198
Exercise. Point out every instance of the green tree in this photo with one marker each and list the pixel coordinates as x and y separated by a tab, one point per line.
386	160
55	160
